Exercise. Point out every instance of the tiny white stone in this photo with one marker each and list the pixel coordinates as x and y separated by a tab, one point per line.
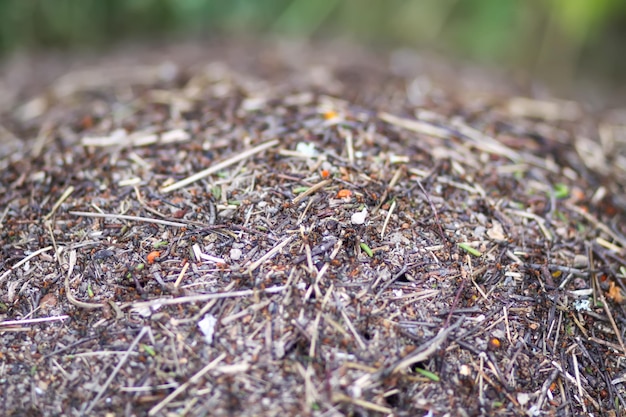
359	217
207	327
307	149
582	305
235	254
523	398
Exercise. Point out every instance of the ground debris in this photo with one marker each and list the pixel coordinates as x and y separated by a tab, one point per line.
225	237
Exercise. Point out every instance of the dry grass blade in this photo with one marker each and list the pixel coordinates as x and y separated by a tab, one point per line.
426	350
416	126
129	218
220	166
270	254
32	321
68	290
68	191
105	386
203	297
362	403
24	260
193	380
310	191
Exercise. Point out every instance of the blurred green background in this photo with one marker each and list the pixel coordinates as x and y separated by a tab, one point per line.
559	41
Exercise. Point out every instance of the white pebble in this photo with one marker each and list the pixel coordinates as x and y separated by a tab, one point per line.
235	254
359	217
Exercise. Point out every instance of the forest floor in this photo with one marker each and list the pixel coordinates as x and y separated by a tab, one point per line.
288	230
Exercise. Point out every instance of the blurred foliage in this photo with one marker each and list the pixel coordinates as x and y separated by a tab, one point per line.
557	38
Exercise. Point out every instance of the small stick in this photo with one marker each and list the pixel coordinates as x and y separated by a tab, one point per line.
598	224
68	191
32	321
427	349
386	222
68	292
127	217
578	385
23	261
310	191
432	206
181	275
356	335
220	166
269	254
349	146
416	126
132	346
204	297
194	379
338	397
392	183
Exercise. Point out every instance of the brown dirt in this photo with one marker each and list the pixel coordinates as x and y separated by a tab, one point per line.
486	277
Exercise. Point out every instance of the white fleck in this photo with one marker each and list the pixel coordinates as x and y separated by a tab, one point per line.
581	261
465	370
207	327
146	312
398	159
253	103
235	254
307	149
496	231
175	135
582	305
479	231
523	398
359	216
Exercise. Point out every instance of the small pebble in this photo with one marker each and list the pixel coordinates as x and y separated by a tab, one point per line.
359	217
235	254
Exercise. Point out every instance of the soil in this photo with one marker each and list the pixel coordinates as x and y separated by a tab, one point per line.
305	230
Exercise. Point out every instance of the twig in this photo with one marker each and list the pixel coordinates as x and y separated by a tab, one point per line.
356	335
392	183
269	254
386	222
220	166
68	292
597	223
578	384
572	380
204	297
23	261
68	191
393	279
194	379
104	387
338	397
423	352
310	191
32	321
416	126
127	217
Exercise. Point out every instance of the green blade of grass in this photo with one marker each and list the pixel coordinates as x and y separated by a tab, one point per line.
430	375
366	249
467	248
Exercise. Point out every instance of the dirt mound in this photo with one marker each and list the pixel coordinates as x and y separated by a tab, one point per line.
289	230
